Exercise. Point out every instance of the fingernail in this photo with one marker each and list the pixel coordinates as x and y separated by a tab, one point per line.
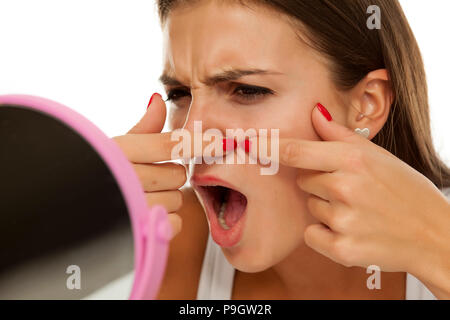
245	145
151	98
324	111
229	144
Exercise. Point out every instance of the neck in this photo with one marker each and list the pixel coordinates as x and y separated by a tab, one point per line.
310	275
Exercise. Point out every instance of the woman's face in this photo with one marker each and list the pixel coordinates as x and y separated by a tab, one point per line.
209	38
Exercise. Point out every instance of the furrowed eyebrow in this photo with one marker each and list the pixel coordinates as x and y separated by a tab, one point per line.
229	75
167	80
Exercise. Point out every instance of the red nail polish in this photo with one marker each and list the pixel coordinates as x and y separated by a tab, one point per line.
247	144
324	111
151	98
229	144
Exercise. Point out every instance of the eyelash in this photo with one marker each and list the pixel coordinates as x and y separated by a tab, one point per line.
257	91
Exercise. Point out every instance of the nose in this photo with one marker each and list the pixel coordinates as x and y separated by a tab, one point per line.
203	111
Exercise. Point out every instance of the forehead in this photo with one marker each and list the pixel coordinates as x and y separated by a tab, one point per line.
212	35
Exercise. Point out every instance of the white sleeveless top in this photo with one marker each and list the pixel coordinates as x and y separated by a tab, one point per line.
217	276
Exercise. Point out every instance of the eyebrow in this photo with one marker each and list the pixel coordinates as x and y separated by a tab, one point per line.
229	75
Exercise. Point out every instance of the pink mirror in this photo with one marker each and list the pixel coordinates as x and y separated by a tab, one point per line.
74	223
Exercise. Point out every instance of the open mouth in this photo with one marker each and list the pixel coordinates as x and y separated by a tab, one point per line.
225	207
228	204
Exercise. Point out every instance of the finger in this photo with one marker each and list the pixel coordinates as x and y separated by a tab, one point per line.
171	200
178	144
146	148
176	223
338	187
326	185
154	118
325	156
330	130
315	182
320	209
161	177
320	238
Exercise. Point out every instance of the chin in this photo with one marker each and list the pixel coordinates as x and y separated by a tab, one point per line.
259	251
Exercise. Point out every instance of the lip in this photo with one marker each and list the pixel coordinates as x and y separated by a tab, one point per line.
224	238
209	180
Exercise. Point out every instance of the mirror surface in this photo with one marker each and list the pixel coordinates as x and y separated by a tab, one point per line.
65	231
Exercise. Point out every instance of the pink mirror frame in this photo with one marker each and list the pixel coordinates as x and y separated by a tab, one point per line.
150	226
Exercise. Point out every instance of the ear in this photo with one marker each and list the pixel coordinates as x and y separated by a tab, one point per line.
371	101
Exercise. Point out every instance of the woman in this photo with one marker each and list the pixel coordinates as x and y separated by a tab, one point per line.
340	202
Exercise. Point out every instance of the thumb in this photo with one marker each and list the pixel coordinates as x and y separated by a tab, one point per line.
327	128
154	118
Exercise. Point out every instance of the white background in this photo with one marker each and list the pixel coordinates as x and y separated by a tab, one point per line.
102	58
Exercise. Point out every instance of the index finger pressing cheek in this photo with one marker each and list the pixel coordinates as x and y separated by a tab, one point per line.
306	154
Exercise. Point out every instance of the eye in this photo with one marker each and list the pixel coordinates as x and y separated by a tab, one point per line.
175	94
250	93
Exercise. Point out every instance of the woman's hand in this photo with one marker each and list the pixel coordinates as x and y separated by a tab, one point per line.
143	145
374	209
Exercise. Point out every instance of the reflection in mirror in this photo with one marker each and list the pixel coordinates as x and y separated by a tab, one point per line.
65	232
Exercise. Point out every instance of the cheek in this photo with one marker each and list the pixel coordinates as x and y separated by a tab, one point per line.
297	120
177	117
290	114
279	206
277	220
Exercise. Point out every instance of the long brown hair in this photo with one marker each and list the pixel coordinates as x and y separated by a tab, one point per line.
338	30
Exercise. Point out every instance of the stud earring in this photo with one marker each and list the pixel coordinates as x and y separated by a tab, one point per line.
363	132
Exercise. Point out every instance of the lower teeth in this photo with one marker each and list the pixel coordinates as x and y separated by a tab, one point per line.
222	222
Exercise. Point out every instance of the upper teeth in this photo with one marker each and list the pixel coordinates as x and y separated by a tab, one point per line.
221	218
